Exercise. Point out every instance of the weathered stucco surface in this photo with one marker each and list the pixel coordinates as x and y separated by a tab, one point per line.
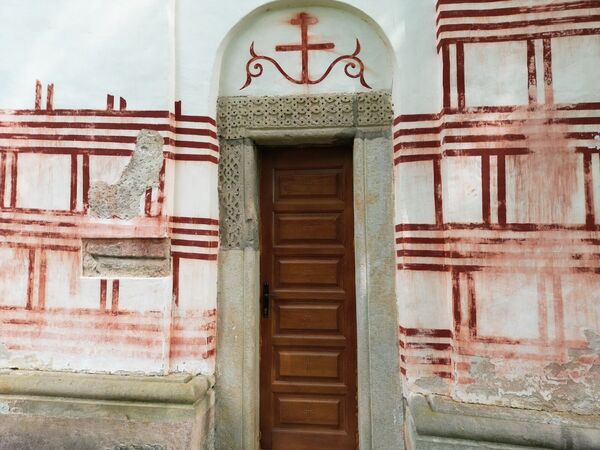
111	146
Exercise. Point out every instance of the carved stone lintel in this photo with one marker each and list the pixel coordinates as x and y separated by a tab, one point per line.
237	115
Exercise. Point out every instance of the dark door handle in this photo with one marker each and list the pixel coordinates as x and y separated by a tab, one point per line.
265	300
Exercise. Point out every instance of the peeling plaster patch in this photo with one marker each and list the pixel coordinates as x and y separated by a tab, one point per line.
4	408
122	200
570	386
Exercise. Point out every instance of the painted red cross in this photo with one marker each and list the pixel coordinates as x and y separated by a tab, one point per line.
304	20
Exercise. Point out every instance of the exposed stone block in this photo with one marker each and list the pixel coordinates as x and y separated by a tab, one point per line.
126	257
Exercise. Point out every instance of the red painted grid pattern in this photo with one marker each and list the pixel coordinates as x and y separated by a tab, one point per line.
549	252
38	233
508	20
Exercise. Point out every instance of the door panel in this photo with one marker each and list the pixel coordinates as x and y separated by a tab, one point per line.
308	341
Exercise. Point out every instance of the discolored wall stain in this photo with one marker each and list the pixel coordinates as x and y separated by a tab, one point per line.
569	386
547	178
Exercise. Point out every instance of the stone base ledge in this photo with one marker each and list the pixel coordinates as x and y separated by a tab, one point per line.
59	410
436	422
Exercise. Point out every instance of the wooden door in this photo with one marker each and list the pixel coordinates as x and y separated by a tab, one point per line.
308	397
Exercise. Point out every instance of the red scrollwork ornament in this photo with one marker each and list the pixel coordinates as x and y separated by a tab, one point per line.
353	68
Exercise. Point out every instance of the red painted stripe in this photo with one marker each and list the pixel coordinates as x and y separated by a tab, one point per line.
87	112
175	279
590	218
403	118
112	126
2	178
483	138
520	36
482	226
548	89
110	102
30	279
416	144
13	180
41	304
531	73
501	179
55	212
194	220
73	199
115	297
460	75
194	232
100	138
153	114
50	97
102	295
457	2
426	332
186	157
38	95
425	345
413	158
471	27
487	151
417	131
472	305
202	256
437	186
40	234
193	243
511	11
446	76
439	267
161	189
486	209
148	202
70	150
85	182
416	117
456	310
495	123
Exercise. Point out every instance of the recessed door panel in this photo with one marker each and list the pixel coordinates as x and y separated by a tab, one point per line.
309	317
320	411
300	229
308	338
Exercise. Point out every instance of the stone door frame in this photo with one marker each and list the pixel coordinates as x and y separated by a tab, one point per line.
244	123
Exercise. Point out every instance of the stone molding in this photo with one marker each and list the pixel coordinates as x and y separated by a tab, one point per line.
80	411
237	115
441	423
174	389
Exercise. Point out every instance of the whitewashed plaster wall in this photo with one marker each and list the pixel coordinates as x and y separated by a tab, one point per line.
457	239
